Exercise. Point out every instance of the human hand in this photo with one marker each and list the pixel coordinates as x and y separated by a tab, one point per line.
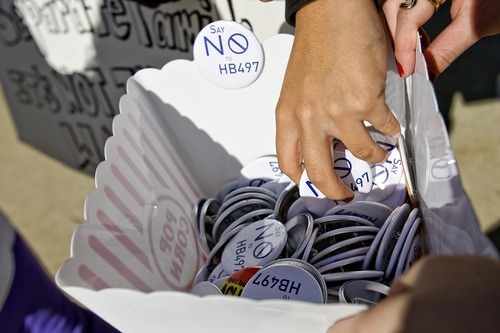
335	80
441	294
471	21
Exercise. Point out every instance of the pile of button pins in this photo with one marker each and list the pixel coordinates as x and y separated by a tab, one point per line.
268	238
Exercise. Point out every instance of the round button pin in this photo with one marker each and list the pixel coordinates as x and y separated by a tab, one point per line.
226	218
410	226
226	189
206	220
372	211
205	288
390	237
237	281
255	215
217	273
410	248
362	251
308	250
287	280
299	230
228	54
353	172
285	200
344	265
363	292
342	246
257	244
252	190
265	168
386	177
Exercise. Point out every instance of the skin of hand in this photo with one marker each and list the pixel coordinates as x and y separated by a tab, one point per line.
335	79
439	294
471	21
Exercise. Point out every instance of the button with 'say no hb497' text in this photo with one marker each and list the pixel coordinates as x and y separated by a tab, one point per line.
228	54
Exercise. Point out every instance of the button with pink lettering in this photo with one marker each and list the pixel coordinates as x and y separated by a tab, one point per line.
256	244
228	54
287	279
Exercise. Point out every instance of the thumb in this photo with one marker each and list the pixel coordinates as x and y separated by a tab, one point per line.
387	316
449	45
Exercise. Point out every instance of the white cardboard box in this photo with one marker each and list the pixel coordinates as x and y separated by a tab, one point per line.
178	137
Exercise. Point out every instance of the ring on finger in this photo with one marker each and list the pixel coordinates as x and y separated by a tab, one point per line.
409	5
435	3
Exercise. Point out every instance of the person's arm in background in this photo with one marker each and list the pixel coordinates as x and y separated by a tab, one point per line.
334	81
439	294
471	21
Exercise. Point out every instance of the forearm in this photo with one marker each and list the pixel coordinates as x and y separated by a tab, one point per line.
292	6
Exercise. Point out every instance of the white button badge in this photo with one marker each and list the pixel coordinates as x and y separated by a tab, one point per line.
228	54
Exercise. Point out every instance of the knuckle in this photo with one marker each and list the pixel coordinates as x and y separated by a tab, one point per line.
306	114
364	100
390	126
287	169
364	153
446	57
317	176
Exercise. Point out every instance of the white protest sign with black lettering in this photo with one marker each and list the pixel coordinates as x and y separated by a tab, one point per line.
65	63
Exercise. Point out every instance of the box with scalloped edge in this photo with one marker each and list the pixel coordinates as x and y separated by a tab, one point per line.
177	138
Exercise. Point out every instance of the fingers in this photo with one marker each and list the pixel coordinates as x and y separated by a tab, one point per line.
384	120
288	147
408	23
360	143
385	317
318	159
450	44
358	140
314	146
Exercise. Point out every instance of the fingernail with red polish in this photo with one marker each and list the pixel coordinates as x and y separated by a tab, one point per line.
400	69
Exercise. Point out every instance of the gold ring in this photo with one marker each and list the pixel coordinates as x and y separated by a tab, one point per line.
409	5
435	3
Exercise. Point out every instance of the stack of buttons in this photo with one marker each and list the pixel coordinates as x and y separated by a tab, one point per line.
268	238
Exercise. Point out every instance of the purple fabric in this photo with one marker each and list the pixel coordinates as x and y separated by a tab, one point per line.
36	305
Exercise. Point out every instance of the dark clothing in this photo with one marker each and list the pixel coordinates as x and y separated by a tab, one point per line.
292	6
